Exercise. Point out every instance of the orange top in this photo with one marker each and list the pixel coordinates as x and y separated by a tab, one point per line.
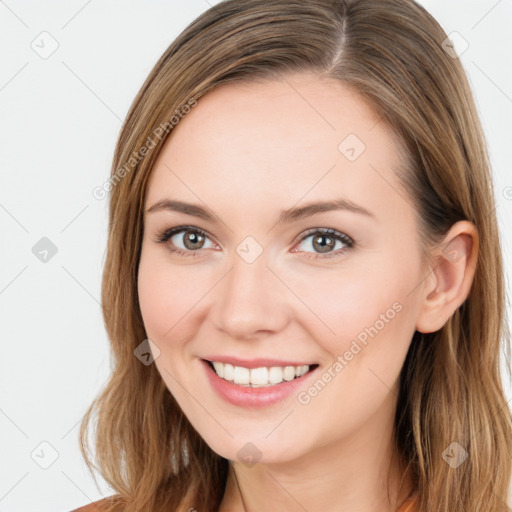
409	505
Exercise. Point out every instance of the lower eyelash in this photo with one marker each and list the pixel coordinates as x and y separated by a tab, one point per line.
181	252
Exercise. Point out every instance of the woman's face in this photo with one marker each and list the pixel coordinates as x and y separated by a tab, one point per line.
252	278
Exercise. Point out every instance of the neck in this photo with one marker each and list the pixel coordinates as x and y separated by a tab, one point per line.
351	475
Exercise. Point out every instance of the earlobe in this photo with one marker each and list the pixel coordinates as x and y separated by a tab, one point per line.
451	276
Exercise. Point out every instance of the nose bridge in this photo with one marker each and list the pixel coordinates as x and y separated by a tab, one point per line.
249	299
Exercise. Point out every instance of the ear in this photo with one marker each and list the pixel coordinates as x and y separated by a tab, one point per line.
449	282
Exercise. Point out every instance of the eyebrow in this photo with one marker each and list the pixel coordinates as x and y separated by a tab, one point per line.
286	216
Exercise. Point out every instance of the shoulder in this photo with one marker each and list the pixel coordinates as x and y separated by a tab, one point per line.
409	505
103	505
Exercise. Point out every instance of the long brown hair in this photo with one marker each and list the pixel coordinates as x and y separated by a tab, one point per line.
391	52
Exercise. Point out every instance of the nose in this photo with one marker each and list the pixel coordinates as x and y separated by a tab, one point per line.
250	300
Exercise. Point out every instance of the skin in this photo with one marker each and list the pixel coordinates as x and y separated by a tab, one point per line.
247	151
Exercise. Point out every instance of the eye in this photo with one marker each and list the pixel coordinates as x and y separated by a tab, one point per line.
324	241
186	240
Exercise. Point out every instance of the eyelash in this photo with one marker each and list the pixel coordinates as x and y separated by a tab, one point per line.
165	235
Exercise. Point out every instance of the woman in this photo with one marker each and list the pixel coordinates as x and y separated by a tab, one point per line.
303	287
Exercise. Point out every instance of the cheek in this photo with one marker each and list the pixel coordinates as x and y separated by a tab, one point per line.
373	323
166	295
364	305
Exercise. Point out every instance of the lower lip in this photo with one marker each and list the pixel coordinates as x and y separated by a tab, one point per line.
244	396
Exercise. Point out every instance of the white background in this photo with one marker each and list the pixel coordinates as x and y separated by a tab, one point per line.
59	119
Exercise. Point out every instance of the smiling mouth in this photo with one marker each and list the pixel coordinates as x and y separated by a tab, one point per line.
259	377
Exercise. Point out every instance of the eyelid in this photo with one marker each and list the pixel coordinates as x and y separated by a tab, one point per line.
326	231
164	235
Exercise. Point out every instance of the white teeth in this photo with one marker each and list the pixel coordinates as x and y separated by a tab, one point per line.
241	375
289	373
219	368
228	373
301	370
275	375
259	377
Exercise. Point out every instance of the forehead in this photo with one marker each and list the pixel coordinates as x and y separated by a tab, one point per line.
275	143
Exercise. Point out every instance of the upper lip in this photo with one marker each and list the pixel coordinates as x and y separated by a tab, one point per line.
254	363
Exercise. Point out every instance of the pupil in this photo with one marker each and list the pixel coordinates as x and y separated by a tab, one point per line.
192	238
323	247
